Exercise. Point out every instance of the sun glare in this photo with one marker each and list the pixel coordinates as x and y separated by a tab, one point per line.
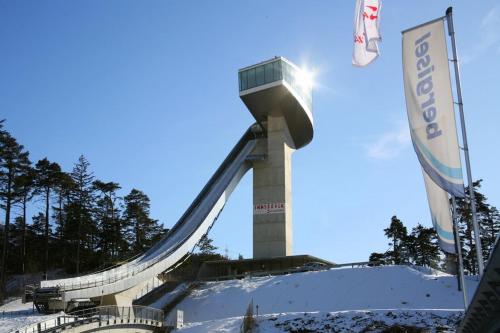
305	77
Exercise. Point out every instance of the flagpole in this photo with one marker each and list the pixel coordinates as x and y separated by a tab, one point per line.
458	247
477	239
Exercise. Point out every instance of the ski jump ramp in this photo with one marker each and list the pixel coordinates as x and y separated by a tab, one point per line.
279	88
175	245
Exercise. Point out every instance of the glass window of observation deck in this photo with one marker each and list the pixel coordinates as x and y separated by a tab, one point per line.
277	66
243	80
261	75
272	71
251	78
268	73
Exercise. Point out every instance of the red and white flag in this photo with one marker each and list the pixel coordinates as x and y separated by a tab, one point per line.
366	32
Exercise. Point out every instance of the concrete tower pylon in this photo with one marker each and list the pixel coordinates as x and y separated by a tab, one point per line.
278	94
272	193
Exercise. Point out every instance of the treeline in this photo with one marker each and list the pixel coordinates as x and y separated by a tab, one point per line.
84	223
420	245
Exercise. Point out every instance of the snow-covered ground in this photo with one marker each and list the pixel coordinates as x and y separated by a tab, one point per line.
336	298
15	315
342	321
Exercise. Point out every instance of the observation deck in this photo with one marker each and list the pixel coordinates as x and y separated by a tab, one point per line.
277	87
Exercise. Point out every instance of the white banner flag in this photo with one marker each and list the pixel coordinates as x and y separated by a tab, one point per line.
366	32
429	104
439	206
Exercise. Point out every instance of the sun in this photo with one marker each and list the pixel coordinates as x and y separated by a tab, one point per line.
305	77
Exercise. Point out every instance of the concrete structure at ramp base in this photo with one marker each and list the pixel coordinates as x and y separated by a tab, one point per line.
278	95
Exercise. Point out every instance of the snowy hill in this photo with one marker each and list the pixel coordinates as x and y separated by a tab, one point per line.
332	295
369	299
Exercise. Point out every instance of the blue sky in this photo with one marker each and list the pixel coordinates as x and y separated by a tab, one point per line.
147	91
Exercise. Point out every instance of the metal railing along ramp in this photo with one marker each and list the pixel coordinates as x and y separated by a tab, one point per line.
102	317
483	313
176	244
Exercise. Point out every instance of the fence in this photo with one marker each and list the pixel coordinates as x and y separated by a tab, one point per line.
102	316
299	269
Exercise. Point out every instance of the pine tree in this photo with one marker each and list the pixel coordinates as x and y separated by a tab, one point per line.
80	210
465	232
205	246
46	177
13	161
377	259
25	185
424	246
15	260
489	225
35	242
108	218
398	234
142	231
38	225
488	219
64	186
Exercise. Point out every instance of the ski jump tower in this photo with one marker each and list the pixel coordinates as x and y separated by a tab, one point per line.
279	96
